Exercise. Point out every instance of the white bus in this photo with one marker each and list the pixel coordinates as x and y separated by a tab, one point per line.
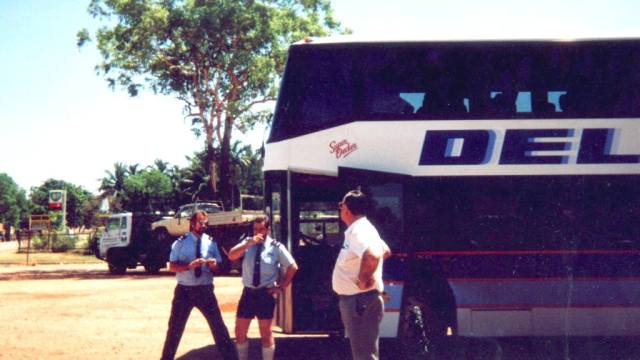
505	176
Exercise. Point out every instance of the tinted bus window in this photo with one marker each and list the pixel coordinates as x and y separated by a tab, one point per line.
527	213
329	85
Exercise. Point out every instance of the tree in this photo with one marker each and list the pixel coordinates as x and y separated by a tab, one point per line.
14	207
221	58
77	199
147	190
112	185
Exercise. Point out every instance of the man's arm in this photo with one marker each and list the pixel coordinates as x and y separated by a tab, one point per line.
368	266
238	251
176	267
286	279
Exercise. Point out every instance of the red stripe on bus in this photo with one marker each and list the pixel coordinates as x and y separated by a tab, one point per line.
545	306
543	279
521	252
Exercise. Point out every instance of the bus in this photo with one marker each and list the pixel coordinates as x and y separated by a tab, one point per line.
504	175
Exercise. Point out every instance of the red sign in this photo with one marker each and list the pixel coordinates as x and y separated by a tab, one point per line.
342	148
56	197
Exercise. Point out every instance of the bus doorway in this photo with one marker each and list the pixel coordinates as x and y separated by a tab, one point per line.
315	241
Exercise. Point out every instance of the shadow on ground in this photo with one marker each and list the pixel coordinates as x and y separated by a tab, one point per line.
307	348
578	348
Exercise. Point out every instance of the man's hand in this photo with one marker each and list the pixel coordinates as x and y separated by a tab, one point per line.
364	284
197	263
212	263
276	290
256	239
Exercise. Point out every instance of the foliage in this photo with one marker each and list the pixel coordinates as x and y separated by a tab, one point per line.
147	190
40	242
219	57
14	207
112	186
63	243
77	198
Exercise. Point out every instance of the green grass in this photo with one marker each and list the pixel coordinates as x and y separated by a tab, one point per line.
13	258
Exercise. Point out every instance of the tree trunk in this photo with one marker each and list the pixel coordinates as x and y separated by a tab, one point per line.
225	165
211	166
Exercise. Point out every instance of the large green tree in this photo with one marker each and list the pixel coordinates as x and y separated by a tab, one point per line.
14	207
221	57
147	190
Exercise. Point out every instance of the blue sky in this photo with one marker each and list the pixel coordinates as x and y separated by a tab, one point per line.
59	120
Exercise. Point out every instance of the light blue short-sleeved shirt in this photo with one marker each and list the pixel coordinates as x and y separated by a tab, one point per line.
183	251
273	257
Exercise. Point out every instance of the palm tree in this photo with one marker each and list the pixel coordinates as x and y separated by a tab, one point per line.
162	166
133	169
112	185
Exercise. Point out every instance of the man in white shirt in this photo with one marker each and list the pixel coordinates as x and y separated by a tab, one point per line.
357	277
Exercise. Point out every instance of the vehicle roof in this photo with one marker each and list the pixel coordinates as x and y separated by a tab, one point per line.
353	39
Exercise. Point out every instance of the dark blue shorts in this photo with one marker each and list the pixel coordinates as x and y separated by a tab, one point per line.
256	303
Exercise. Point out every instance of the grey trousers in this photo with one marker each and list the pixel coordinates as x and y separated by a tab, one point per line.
361	316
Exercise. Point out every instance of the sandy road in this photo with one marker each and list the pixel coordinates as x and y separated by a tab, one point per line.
82	312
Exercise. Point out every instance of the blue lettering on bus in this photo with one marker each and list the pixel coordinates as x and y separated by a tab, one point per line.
436	149
520	147
595	148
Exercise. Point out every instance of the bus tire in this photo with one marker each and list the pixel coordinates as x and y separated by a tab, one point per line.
422	330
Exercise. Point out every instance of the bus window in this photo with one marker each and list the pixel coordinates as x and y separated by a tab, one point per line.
319	224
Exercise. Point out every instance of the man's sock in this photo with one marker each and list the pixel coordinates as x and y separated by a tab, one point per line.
243	351
267	352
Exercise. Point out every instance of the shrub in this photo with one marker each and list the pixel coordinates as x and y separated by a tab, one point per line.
63	243
39	242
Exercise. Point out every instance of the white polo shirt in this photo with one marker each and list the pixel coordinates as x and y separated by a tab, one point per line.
359	236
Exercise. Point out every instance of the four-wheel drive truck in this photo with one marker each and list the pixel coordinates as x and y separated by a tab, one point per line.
225	227
127	241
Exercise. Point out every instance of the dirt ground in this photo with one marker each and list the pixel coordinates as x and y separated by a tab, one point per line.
82	312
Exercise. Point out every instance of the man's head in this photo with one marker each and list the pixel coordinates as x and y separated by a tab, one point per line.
198	222
261	225
353	206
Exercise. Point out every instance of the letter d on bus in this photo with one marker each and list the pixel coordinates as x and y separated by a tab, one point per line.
455	147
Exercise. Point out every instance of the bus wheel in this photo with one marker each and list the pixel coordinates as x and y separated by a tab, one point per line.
421	331
117	269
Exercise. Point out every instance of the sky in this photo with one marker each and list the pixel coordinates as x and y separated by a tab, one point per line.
58	119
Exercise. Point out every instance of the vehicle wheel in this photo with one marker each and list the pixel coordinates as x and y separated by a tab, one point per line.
117	269
162	237
422	330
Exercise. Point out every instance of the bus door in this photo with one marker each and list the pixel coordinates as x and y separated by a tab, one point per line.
304	209
389	197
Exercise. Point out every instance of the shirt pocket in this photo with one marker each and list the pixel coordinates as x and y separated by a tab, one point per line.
269	259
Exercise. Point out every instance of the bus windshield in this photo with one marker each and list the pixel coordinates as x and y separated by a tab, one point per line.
329	85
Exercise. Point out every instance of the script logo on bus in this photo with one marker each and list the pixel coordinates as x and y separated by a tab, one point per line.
342	148
521	146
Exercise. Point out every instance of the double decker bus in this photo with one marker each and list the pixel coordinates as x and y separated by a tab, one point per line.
504	175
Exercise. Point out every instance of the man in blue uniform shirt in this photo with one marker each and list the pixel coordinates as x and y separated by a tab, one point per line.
193	258
263	259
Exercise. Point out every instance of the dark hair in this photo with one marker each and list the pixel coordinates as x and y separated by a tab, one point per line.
262	219
195	215
357	202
